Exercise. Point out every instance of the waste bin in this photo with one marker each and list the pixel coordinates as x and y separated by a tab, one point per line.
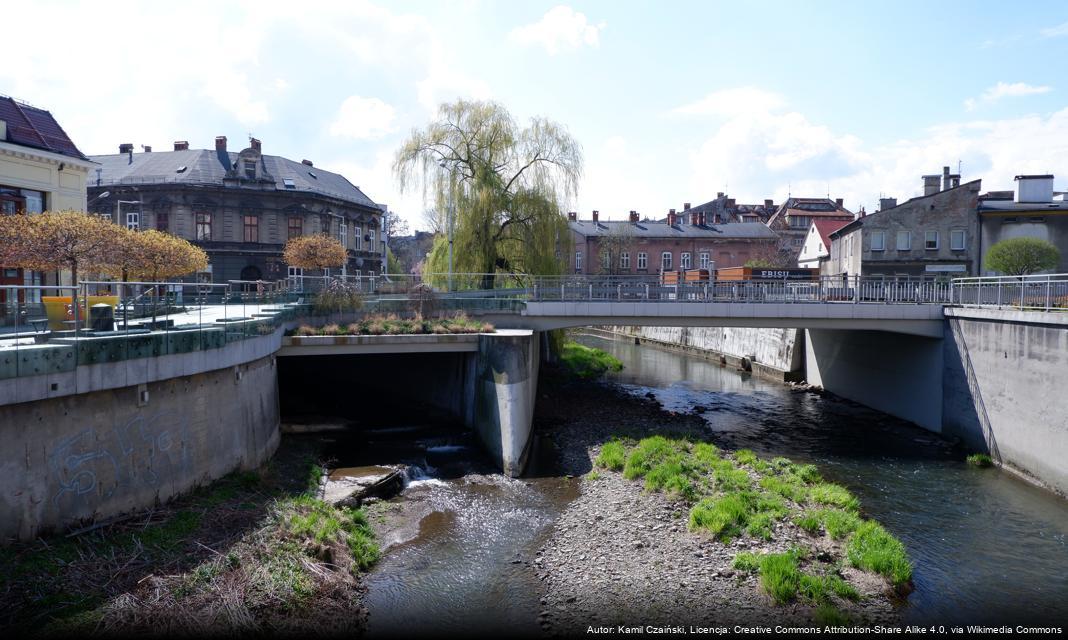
102	317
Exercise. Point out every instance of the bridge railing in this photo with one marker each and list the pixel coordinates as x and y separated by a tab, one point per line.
851	289
1044	292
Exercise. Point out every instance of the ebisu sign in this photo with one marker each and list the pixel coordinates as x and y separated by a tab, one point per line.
782	274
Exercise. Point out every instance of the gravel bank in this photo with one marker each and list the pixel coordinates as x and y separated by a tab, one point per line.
619	555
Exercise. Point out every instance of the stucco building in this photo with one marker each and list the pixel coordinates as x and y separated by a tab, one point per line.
640	247
933	235
792	219
1033	210
41	169
239	206
817	247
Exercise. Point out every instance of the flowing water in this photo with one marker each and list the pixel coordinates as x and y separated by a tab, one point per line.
988	548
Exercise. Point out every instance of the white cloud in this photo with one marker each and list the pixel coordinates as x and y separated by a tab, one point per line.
759	155
560	30
444	83
732	102
362	118
1005	90
1055	32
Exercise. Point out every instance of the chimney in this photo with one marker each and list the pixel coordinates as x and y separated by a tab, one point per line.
719	194
147	148
572	216
685	206
769	203
126	147
307	162
220	143
703	218
954	180
838	202
181	145
672	218
930	184
1034	188
945	178
255	144
887	203
596	214
633	215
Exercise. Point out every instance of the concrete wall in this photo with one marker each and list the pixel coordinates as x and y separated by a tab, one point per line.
773	352
91	456
1005	378
506	384
894	373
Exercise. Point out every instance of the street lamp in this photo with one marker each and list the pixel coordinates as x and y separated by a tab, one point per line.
449	216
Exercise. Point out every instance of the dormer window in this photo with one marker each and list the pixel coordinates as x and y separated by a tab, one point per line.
180	169
289	184
250	169
312	174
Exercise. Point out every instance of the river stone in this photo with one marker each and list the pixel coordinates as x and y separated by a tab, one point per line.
349	487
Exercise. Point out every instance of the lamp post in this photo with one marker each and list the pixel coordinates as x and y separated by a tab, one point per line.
449	216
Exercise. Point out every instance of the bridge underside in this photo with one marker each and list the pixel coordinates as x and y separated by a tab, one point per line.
912	319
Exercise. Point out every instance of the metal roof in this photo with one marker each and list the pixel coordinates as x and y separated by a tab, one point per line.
206	166
661	230
32	127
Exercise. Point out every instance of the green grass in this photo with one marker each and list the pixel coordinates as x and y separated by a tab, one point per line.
649	454
613	456
588	362
780	577
172	533
593	476
745	456
748	562
672	477
834	495
873	548
788	487
729	515
838	523
310	519
809	521
980	460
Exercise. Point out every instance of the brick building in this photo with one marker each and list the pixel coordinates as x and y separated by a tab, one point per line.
240	207
638	247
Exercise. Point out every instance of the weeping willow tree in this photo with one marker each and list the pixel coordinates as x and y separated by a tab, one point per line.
507	188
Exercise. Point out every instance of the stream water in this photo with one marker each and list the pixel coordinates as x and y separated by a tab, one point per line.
987	547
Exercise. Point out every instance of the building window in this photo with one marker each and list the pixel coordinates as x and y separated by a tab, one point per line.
705	259
665	260
798	242
930	240
878	240
684	260
343	232
956	240
163	221
203	222
296	227
904	240
578	261
624	261
371	240
296	279
606	261
250	169
252	228
359	237
643	260
133	220
800	222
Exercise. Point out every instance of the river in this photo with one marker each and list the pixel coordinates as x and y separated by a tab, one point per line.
987	547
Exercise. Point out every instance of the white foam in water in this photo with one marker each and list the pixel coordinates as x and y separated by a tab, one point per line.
416	476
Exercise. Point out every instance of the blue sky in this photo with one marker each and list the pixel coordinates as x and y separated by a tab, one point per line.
671	101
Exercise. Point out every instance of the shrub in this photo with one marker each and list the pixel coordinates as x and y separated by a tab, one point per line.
873	548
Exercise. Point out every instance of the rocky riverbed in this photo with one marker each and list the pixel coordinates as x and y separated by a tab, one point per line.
621	555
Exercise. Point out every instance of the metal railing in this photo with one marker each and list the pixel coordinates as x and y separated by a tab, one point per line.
1046	292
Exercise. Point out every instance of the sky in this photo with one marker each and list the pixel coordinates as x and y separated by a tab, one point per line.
671	101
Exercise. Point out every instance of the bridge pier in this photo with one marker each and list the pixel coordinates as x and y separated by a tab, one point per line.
896	373
505	390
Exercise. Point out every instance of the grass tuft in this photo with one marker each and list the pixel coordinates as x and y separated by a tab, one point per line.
873	548
613	456
834	495
980	460
588	362
748	562
780	577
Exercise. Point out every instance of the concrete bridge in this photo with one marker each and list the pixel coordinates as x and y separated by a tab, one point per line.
97	424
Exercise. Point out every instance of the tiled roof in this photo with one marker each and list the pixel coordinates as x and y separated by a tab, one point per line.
813	207
203	166
650	229
826	227
32	127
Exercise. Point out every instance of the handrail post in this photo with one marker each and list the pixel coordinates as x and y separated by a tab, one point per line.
1047	293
